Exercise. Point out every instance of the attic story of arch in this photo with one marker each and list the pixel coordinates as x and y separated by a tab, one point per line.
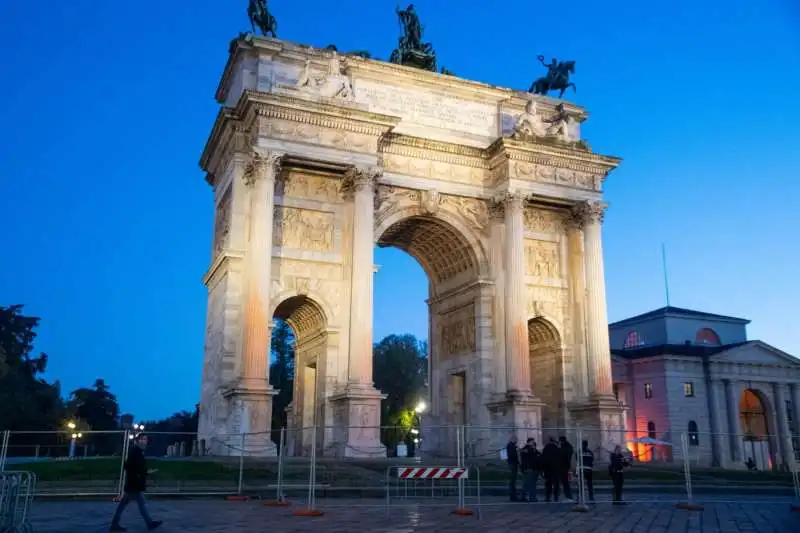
313	161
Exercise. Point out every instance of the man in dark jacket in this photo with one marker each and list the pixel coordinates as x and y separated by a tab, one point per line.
567	452
616	470
135	485
512	458
530	463
551	466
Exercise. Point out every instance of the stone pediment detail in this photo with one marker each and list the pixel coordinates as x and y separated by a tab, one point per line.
756	352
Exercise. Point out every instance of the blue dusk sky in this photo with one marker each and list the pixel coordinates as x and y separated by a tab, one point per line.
106	107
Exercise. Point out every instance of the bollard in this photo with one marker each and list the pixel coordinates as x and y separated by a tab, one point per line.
312	481
280	499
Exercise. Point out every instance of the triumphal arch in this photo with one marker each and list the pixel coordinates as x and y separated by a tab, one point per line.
314	159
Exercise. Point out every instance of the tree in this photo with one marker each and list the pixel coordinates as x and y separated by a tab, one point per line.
97	407
27	402
281	372
400	369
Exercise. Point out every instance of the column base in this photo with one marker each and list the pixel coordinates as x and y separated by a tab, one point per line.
516	413
357	421
251	432
601	422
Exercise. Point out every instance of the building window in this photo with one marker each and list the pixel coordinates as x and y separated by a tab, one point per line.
707	336
651	429
688	389
648	390
632	340
694	438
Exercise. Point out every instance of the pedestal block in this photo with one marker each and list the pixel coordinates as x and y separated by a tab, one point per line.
357	420
518	414
601	419
253	400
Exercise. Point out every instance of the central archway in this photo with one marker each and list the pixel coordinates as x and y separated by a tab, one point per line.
451	262
753	419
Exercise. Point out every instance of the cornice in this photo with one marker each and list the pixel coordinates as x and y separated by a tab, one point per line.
224	259
440	151
544	154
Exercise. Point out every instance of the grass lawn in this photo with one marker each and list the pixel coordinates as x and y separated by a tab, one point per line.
336	473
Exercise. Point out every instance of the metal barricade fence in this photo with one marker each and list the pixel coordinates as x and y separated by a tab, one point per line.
17	490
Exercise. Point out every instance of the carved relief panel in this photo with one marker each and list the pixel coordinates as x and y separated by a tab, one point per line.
222	221
303	229
309	186
543	221
457	334
388	199
475	212
542	259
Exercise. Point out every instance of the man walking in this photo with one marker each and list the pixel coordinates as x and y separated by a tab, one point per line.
135	485
587	470
512	458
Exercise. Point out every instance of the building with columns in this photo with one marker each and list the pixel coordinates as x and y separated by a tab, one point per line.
316	158
679	371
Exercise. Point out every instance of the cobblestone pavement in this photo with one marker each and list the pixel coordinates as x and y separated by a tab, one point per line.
214	516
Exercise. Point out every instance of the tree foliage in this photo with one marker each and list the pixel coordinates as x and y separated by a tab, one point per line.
400	370
281	372
27	401
97	406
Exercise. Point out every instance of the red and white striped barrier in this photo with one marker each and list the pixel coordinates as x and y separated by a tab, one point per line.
436	472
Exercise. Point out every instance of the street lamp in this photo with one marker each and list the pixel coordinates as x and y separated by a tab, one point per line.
73	441
421	408
136	430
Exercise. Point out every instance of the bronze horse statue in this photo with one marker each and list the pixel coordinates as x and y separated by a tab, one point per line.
259	15
558	80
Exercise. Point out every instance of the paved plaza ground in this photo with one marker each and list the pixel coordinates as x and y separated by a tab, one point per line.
342	516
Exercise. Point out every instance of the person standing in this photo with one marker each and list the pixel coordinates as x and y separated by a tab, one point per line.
616	470
551	466
512	458
135	485
567	452
530	460
587	469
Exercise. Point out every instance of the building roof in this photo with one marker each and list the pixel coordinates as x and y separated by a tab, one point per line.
691	350
676	311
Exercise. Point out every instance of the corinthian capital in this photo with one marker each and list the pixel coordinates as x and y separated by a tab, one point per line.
361	178
263	167
588	212
511	201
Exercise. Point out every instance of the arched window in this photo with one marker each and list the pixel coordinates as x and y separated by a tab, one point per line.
651	429
632	340
694	438
707	336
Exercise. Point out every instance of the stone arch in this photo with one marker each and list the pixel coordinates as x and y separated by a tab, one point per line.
707	336
442	224
309	322
755	420
546	359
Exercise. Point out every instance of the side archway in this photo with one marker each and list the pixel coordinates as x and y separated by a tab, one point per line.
546	359
754	419
308	321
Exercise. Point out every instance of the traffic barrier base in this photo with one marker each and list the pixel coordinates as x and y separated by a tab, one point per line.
580	508
277	503
236	498
308	512
689	506
460	511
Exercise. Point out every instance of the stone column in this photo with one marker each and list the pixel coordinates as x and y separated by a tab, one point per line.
598	347
357	404
516	313
734	426
497	250
260	178
361	182
782	420
719	452
795	391
577	293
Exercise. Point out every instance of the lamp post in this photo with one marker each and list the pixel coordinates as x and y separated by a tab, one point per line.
72	426
136	430
419	410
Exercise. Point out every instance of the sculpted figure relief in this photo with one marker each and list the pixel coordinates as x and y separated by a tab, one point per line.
543	221
312	187
303	229
529	125
334	84
430	201
458	333
559	124
473	210
542	259
223	222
